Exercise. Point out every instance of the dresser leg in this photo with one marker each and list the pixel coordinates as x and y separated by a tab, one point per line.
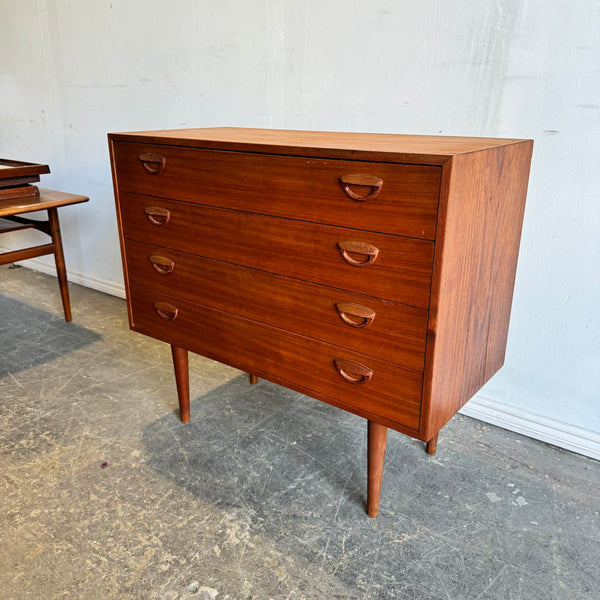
377	439
180	363
432	445
253	379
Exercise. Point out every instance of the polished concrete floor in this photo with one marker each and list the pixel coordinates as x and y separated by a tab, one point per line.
105	494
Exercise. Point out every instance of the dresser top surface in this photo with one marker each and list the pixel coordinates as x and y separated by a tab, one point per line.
380	146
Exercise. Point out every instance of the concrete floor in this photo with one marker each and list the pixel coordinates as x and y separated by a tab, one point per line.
105	494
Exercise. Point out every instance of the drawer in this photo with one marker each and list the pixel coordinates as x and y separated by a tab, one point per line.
385	266
382	329
360	383
391	198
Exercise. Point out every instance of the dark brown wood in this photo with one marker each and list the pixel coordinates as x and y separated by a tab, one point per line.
153	163
304	251
59	259
296	361
182	379
48	200
7	258
253	379
353	372
396	332
166	310
329	262
481	212
360	180
377	441
11	169
355	315
22	191
358	254
431	445
8	224
163	265
16	223
287	186
14	182
157	215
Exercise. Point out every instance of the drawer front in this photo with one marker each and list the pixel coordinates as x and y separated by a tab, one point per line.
391	198
385	266
382	329
365	384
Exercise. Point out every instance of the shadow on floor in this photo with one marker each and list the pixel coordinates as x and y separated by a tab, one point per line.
241	433
293	470
31	337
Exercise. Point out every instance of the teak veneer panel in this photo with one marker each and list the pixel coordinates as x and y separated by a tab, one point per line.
306	251
297	361
395	148
396	333
259	229
289	186
481	214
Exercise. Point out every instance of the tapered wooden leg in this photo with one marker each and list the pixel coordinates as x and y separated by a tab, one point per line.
253	379
180	363
377	440
432	445
59	259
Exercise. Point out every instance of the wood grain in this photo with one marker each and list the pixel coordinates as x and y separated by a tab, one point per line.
287	186
376	445
306	251
396	334
481	213
393	392
180	364
46	199
397	148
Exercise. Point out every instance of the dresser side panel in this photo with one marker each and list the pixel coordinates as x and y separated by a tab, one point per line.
113	167
479	228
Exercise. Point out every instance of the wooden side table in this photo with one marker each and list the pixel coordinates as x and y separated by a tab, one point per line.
48	200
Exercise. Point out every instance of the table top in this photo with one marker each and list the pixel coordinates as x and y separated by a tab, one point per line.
421	149
46	199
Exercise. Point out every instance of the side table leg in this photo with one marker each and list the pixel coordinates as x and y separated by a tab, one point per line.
180	363
253	379
59	259
377	440
431	446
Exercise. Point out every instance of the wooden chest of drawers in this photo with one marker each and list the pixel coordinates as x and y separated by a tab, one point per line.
374	272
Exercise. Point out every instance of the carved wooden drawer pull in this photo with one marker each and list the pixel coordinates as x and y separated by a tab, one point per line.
162	264
353	372
355	315
166	311
153	163
366	250
157	215
357	179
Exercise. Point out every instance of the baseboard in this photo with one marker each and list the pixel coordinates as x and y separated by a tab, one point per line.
557	433
95	283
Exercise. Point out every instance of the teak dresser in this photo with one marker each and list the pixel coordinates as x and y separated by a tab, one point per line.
373	272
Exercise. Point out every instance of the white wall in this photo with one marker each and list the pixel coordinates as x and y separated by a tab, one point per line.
73	70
